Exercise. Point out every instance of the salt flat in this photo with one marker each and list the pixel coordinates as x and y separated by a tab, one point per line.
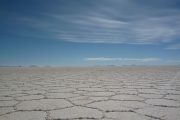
93	93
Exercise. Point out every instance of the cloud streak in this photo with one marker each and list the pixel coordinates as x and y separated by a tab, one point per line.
122	59
129	22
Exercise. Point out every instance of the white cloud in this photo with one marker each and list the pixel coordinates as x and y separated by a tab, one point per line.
150	59
101	59
122	59
108	21
95	29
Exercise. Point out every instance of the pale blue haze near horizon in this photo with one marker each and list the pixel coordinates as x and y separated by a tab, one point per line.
89	32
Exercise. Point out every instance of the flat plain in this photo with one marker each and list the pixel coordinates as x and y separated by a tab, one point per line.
90	93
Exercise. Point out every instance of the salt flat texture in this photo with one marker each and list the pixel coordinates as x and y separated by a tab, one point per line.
94	93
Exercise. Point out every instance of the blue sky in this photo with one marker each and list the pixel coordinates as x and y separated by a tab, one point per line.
89	32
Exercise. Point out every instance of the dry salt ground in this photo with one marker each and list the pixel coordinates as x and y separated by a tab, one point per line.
90	93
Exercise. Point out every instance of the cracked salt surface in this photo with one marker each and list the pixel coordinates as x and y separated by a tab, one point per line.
96	93
76	113
43	104
33	115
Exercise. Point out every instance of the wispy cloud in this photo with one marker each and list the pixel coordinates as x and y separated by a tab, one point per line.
122	59
131	22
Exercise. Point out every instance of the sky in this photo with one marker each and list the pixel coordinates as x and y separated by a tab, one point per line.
89	32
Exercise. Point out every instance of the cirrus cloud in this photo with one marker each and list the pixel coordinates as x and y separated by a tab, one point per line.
113	21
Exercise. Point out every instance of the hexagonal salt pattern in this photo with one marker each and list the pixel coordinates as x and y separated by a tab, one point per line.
76	113
43	104
94	93
33	115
